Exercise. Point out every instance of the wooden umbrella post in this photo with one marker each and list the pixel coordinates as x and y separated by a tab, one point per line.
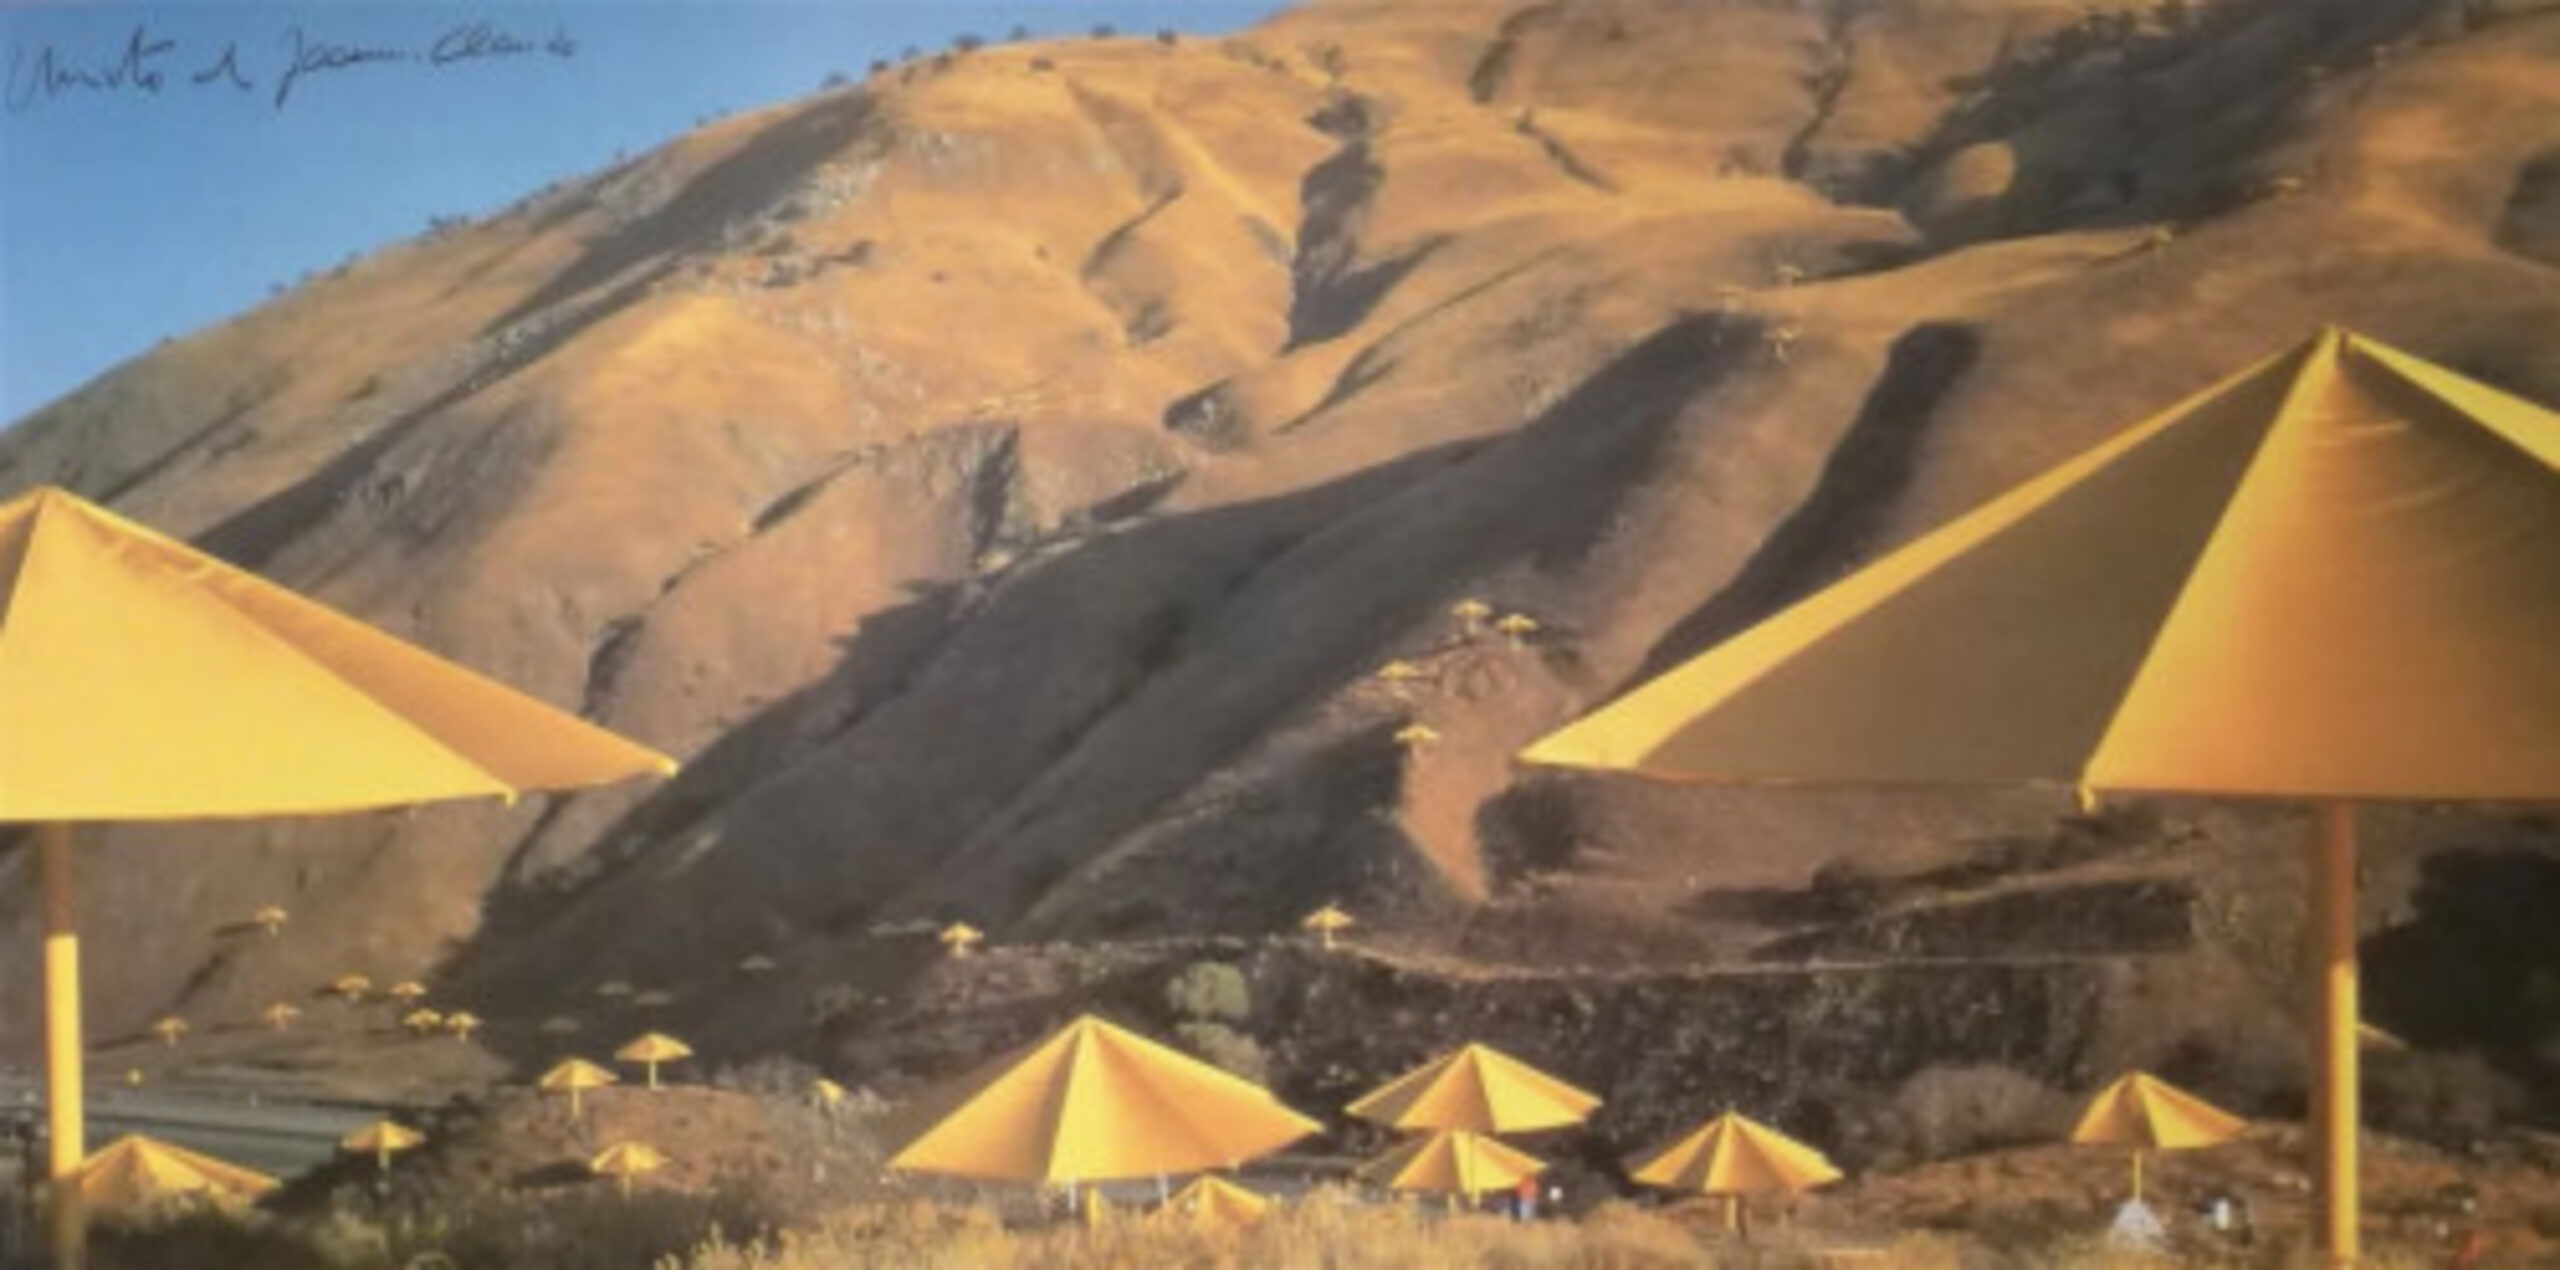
2137	1175
65	1127
2332	868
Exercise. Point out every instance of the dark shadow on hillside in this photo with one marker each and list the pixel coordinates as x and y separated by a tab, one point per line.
741	186
1836	525
2477	967
1127	668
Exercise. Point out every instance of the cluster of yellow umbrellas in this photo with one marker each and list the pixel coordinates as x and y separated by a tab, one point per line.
2331	579
220	695
1456	1104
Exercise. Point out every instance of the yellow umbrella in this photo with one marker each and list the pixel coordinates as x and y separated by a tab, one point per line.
574	1076
1094	1103
462	1023
827	1094
381	1140
2331	578
270	919
1328	922
221	695
1479	1089
1734	1156
169	1028
1453	1161
758	964
137	1172
352	987
422	1021
624	1161
961	938
281	1015
406	992
2149	1114
651	1049
1211	1200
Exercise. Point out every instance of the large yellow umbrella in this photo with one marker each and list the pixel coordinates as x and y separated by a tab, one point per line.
2149	1114
1479	1089
219	694
624	1161
1452	1161
382	1139
2332	578
1213	1201
1094	1103
1735	1156
138	1172
575	1076
649	1049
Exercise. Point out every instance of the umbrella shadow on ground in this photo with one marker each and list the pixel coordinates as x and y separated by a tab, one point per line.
1303	586
2475	969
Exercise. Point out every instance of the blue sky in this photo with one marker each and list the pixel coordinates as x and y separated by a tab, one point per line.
137	202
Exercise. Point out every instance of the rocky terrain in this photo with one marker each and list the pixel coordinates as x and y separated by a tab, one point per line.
1036	485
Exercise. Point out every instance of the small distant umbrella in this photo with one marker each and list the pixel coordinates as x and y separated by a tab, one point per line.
1471	613
1213	1201
406	992
281	1015
614	988
624	1161
169	1028
1453	1162
758	964
1327	922
1479	1089
1399	671
559	1025
462	1023
1416	735
2148	1114
1735	1156
653	999
574	1077
652	1049
352	987
270	919
422	1021
1518	626
961	938
381	1140
826	1094
135	1172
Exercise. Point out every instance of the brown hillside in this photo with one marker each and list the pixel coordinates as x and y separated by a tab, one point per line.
1002	480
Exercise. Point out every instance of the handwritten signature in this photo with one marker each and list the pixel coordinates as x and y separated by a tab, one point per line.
145	63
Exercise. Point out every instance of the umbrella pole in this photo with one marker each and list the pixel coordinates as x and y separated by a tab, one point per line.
65	1127
2137	1175
2332	861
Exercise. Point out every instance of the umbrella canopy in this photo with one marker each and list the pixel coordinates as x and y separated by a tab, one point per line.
1454	1161
1211	1200
1094	1103
381	1140
2333	578
1735	1155
138	1172
2147	1113
654	1047
1479	1089
221	694
627	1159
575	1074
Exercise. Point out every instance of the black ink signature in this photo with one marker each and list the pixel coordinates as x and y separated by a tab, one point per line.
51	75
143	64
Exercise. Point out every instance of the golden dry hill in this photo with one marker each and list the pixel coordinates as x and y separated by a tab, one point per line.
1003	480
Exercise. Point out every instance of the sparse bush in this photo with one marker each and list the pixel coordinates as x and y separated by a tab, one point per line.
1104	30
1944	1111
1168	37
967	43
1225	1047
1209	991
